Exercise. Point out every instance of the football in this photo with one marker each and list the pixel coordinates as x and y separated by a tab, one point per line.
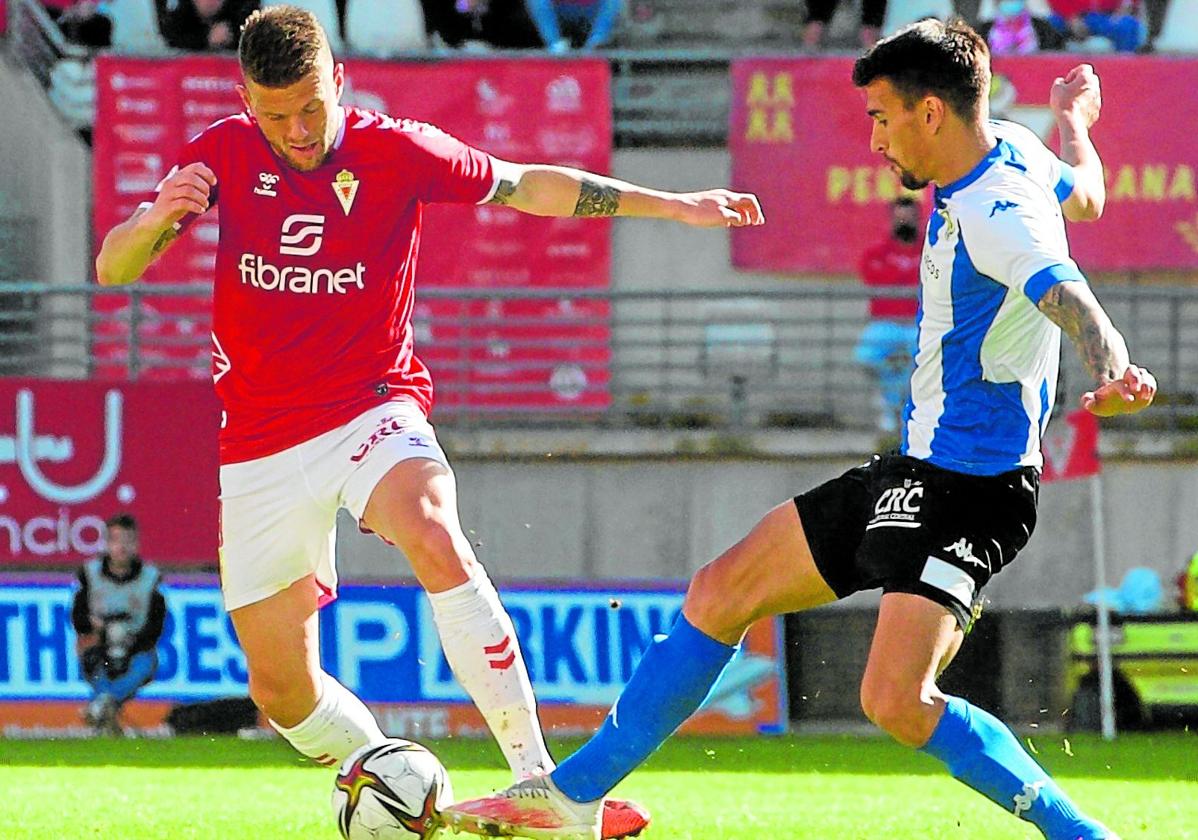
391	790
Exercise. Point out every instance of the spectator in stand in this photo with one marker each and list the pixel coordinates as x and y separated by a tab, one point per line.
1012	32
1119	21
82	22
889	339
118	615
1018	27
203	25
589	24
480	23
819	15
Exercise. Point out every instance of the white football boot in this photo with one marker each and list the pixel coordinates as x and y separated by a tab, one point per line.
532	808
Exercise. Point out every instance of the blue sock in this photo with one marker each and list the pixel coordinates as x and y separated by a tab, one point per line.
982	752
672	680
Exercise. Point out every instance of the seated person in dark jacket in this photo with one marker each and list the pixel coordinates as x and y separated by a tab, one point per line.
203	25
118	613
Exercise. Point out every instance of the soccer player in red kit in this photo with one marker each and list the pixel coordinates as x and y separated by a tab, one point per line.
324	400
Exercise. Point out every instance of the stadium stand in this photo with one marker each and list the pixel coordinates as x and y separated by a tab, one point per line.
1179	32
901	12
384	28
326	13
135	27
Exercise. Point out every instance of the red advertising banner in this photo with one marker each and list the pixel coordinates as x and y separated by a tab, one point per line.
799	138
1070	447
74	453
526	110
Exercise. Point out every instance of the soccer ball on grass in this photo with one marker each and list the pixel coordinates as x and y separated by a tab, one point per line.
391	790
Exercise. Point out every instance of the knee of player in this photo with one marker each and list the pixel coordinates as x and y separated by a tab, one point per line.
268	689
714	601
900	711
437	546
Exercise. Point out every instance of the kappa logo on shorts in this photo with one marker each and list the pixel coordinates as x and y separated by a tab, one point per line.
964	550
897	507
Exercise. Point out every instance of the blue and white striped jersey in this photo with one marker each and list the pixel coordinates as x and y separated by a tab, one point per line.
987	359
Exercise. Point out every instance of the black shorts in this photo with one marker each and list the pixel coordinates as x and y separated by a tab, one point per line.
904	525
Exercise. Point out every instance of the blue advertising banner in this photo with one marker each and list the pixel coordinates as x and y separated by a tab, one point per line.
581	646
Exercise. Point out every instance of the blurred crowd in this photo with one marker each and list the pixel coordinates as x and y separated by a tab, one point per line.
391	27
364	26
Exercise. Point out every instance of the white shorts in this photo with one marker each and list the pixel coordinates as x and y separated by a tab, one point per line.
279	513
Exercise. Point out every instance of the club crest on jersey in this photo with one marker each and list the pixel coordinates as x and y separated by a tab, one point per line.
345	186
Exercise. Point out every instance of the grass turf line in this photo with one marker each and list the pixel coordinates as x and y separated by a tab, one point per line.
1145	786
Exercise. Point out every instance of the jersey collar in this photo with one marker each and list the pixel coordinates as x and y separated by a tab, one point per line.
999	151
341	131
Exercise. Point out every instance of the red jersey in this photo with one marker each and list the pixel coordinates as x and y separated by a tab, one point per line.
313	295
891	263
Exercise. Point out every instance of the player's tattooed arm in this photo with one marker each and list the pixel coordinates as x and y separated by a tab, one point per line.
1071	305
168	236
597	199
503	192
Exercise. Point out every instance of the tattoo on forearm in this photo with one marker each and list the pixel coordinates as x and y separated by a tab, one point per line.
503	192
597	200
1073	307
168	236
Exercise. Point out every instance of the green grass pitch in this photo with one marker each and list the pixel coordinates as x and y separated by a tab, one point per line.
844	788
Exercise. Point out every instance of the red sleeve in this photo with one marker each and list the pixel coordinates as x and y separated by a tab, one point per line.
443	168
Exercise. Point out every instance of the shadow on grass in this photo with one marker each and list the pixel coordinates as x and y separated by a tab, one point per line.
1156	756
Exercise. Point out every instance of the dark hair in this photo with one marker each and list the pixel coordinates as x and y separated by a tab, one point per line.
947	60
905	201
280	45
122	520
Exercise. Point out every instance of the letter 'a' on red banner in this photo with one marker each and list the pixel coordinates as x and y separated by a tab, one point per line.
1071	447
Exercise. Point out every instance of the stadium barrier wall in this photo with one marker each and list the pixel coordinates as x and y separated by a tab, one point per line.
581	642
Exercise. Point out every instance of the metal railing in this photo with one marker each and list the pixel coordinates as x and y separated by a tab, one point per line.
739	359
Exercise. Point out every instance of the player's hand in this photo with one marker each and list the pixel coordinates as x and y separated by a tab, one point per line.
1133	392
1078	94
186	191
720	208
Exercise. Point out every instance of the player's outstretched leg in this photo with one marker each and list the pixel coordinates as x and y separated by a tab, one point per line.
414	506
767	573
914	641
568	802
979	750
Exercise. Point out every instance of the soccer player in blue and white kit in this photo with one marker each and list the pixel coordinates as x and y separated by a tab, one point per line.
930	525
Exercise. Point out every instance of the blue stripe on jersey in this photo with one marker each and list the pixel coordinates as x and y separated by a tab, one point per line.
983	429
1045	407
1046	278
1064	187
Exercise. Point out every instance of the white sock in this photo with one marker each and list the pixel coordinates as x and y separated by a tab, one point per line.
338	725
480	644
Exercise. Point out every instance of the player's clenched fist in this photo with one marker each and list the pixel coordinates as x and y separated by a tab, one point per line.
720	208
1078	93
184	191
1134	392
